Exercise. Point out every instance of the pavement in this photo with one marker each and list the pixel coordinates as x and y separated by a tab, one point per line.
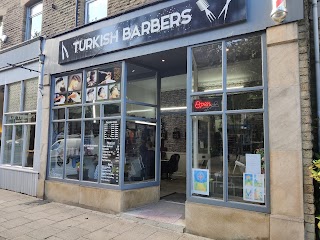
24	218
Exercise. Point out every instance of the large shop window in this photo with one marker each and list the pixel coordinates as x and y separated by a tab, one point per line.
229	161
103	132
85	130
19	124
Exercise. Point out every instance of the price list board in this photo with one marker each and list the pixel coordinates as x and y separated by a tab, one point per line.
110	152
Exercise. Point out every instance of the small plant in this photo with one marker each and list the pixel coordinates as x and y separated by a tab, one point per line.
315	170
315	174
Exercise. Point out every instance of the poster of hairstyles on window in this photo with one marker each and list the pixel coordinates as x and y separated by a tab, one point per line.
102	92
59	99
106	76
75	82
91	78
61	85
74	97
114	91
91	94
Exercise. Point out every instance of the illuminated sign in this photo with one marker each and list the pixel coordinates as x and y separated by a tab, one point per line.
205	105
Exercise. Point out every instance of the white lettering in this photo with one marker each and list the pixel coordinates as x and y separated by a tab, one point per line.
165	24
175	19
95	42
89	43
114	36
76	46
155	25
186	16
126	33
145	28
82	45
106	39
135	32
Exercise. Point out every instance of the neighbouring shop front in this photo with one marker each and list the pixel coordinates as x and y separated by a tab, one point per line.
21	71
207	73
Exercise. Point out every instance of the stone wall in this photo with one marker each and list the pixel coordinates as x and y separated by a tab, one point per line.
13	21
58	16
172	120
308	96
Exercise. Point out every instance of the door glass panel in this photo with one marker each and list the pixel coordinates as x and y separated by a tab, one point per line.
208	156
7	145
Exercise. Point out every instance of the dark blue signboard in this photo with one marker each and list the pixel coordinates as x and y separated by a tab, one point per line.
175	21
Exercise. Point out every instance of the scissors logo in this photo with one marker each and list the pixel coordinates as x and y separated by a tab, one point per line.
203	5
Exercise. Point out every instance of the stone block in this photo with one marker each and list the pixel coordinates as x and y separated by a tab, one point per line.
309	218
286	173
309	209
62	192
282	33
138	197
286	229
283	69
226	223
105	200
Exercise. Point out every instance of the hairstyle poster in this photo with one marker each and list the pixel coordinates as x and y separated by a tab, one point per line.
200	181
91	78
61	85
102	92
114	91
106	76
91	94
75	82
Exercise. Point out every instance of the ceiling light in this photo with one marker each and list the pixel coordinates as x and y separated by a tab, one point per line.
163	60
133	70
173	108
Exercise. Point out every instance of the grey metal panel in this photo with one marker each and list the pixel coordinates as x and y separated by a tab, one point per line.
17	74
258	19
20	55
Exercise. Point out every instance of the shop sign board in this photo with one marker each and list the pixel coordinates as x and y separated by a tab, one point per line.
205	105
175	21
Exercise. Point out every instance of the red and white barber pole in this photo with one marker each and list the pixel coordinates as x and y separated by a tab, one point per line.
279	10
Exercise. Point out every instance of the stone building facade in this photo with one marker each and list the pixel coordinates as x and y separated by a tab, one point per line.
61	16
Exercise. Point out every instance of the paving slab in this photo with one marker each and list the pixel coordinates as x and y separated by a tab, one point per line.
27	218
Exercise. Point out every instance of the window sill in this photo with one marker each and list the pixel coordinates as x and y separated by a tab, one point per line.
18	169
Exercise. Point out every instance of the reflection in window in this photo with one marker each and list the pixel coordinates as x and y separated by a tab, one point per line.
207	67
142	85
208	151
30	97
140	151
91	151
244	62
245	136
34	21
18	146
7	145
96	9
57	150
30	135
248	100
73	150
14	90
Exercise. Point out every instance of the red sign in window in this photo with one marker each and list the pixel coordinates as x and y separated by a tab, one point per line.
204	105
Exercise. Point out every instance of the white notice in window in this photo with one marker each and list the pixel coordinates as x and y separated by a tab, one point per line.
253	163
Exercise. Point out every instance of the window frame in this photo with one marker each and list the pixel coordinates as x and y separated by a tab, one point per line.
86	14
225	112
29	19
14	125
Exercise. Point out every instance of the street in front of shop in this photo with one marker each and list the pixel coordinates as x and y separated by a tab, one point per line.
25	217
